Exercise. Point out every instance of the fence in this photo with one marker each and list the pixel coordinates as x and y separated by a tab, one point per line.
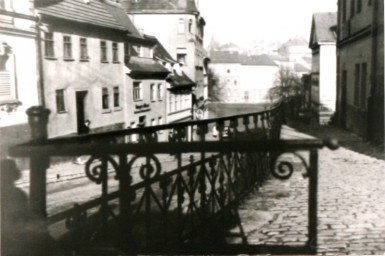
159	207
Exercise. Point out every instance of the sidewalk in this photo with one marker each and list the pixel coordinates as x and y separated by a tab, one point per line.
351	204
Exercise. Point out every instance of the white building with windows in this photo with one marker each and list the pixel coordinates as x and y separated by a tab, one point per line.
19	72
324	64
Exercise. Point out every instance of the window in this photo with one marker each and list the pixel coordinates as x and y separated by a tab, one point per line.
228	71
352	8
103	51
190	25
180	102
181	26
67	47
48	45
7	73
142	121
160	120
60	104
153	92
187	101
363	85
181	58
160	91
105	98
172	102
359	6
83	49
127	52
356	85
138	94
116	97
235	82
153	122
176	102
115	52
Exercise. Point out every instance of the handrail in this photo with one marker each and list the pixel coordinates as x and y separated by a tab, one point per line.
151	129
249	145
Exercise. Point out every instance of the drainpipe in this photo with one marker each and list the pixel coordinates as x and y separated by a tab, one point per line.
373	75
40	65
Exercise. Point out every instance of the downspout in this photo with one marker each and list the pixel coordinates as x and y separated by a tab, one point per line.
373	75
40	65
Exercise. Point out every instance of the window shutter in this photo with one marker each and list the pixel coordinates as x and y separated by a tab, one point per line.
5	85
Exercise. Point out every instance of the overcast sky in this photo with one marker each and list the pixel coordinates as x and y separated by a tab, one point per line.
245	21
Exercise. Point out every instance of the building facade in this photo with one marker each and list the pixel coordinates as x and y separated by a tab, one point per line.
179	28
19	70
83	60
239	78
324	64
360	67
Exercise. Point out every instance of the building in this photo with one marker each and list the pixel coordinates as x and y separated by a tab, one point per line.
84	63
145	85
294	49
179	28
19	70
241	78
324	64
360	67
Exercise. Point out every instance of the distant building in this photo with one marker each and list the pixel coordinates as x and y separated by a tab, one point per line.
20	86
324	64
294	49
179	27
84	63
241	78
360	67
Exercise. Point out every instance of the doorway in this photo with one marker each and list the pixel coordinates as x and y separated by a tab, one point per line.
343	98
80	112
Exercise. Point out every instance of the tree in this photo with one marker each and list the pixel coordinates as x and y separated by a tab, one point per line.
288	88
215	90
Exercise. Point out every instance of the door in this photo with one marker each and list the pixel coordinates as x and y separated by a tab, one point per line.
80	112
343	98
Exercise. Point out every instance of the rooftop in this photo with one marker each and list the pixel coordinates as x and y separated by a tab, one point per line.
101	13
235	57
160	6
323	27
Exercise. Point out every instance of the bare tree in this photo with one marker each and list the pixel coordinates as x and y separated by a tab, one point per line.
286	84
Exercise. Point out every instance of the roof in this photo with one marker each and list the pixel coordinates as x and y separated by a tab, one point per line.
224	57
101	13
180	81
257	60
235	57
146	66
298	67
322	27
160	6
159	51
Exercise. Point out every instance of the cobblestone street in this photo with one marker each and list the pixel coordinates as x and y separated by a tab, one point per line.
351	205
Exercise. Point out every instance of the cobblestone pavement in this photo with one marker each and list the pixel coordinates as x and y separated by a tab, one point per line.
351	205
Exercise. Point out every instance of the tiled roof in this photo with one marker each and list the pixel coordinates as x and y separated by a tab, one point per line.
180	81
323	22
224	57
160	6
235	57
145	65
96	12
257	60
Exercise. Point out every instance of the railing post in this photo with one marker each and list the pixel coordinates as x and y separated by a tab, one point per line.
38	120
313	187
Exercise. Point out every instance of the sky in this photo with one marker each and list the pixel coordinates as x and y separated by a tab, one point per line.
246	21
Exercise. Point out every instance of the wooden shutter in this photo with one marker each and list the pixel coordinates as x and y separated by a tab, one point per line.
5	86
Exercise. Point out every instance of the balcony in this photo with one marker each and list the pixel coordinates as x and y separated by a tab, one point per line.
147	203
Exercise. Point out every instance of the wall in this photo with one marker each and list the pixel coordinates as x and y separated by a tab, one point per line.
180	112
235	81
90	76
327	76
156	108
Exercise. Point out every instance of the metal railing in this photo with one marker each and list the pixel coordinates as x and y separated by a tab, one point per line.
160	208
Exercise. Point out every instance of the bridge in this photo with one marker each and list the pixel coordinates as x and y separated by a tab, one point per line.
146	206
